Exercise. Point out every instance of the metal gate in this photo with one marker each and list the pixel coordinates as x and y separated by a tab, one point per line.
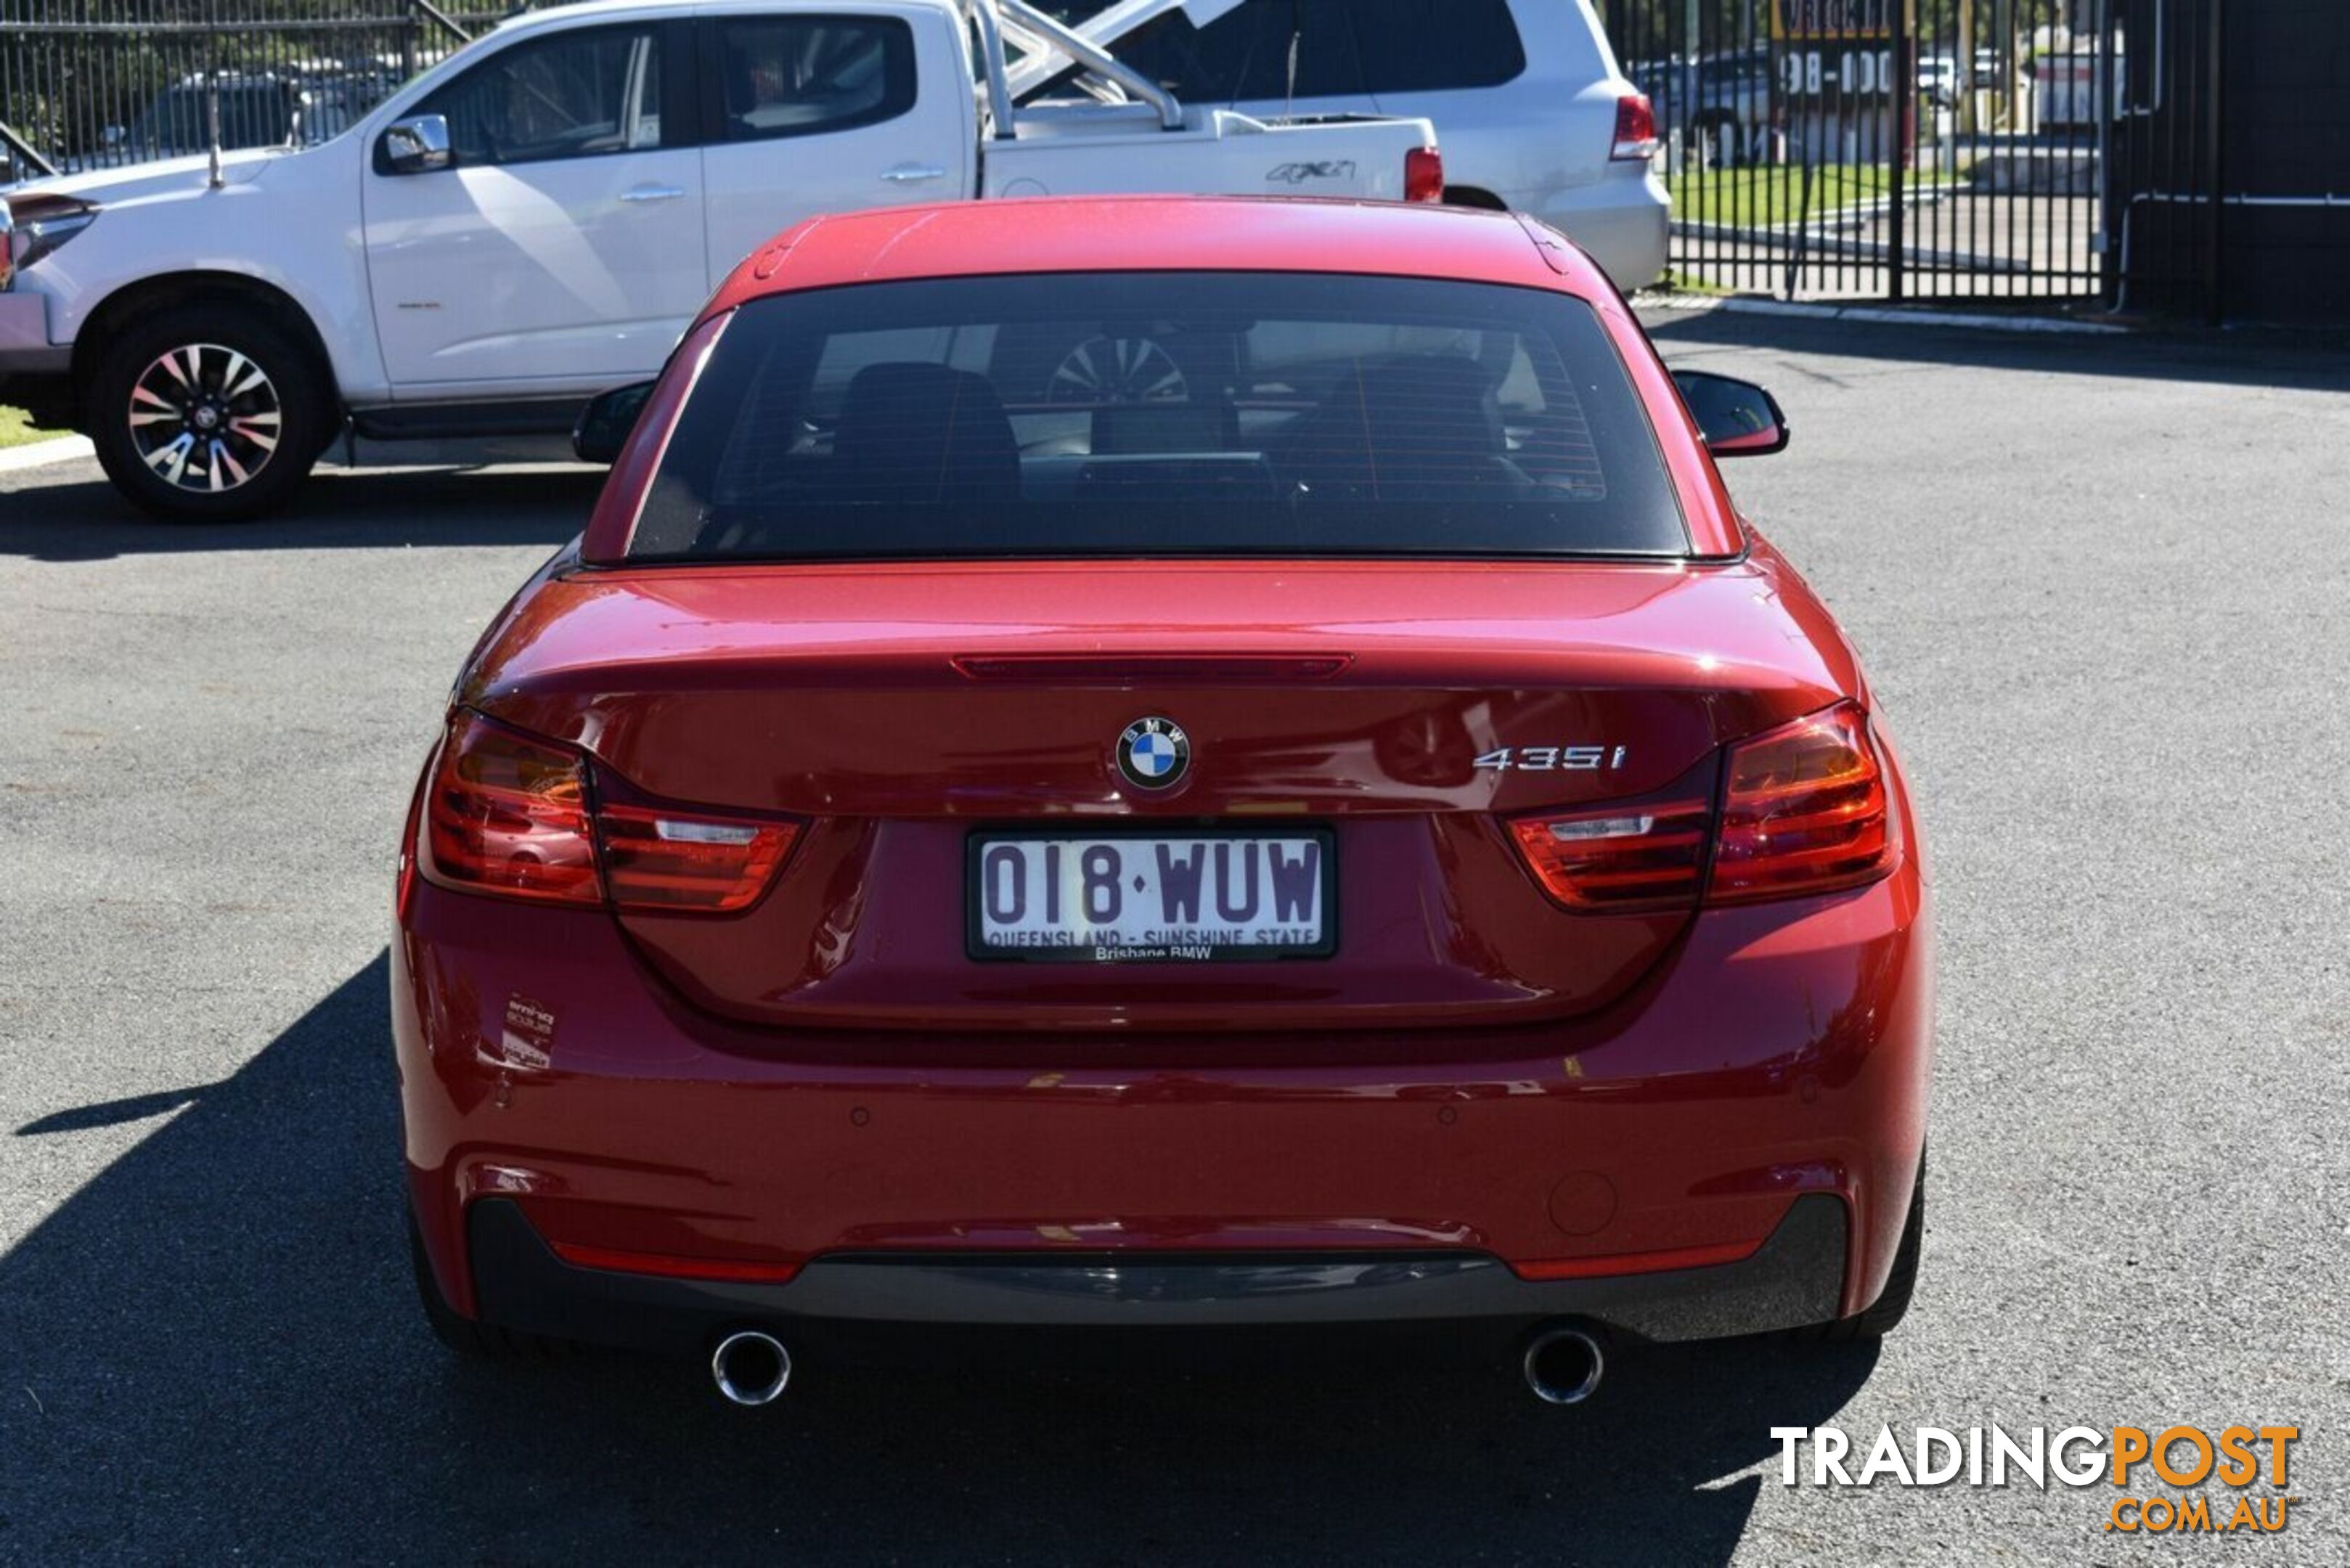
91	84
1897	150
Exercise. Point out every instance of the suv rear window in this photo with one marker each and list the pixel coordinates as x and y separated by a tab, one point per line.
1344	49
1167	414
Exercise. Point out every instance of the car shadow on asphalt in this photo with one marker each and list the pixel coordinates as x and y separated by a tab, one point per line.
465	496
213	1346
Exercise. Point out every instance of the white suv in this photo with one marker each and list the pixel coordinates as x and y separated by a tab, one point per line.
538	218
1534	114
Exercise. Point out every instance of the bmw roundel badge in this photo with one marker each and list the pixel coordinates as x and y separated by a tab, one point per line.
1153	752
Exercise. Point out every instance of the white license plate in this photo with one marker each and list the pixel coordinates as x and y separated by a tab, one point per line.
1174	897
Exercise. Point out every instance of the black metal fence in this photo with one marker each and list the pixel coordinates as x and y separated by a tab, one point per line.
1898	150
89	84
2166	194
2033	151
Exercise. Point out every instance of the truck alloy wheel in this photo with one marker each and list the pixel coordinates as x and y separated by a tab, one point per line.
208	411
206	418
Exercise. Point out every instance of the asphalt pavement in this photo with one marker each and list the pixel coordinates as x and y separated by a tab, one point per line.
2100	588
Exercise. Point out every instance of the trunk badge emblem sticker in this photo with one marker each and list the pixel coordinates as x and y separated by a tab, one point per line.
1153	752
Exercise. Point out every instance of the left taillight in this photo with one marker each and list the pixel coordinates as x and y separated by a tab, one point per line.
1636	129
1423	175
511	814
506	814
655	859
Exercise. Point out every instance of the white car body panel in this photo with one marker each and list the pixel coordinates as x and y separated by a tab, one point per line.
553	266
757	188
165	218
1239	154
538	280
1539	142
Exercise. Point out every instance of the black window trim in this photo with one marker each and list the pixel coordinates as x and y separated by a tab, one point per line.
1369	92
710	85
678	86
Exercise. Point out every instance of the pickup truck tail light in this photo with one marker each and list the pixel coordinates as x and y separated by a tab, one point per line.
1423	175
512	816
1803	810
1636	129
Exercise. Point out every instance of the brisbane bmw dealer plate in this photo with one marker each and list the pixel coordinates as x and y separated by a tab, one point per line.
1107	897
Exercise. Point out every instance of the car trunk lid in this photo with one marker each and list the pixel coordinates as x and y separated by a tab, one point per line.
1396	711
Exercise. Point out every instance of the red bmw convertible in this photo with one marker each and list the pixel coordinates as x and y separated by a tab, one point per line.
1153	763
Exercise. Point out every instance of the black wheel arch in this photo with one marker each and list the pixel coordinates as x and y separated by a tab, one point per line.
1473	196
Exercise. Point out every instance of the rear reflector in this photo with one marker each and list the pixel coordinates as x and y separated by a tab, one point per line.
670	1266
1804	810
1636	1262
1423	175
508	814
661	860
1618	859
1636	129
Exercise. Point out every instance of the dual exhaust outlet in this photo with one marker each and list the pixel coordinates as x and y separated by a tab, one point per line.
1562	1366
750	1368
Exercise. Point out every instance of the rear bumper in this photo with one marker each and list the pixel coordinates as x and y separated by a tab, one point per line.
1794	1278
1620	221
1651	1167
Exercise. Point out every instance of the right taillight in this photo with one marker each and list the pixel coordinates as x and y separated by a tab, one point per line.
509	813
1423	175
1805	810
1636	129
1620	859
506	814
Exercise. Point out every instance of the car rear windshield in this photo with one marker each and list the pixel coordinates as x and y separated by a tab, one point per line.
1170	413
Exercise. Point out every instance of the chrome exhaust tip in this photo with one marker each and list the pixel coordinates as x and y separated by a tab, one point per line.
1562	1366
750	1368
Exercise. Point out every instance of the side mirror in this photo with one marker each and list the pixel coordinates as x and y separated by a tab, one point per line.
417	145
606	423
1738	418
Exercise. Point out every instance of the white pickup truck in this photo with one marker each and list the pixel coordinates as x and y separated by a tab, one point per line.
537	219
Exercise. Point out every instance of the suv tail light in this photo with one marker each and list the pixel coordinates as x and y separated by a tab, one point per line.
510	815
1636	129
1423	175
1804	810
